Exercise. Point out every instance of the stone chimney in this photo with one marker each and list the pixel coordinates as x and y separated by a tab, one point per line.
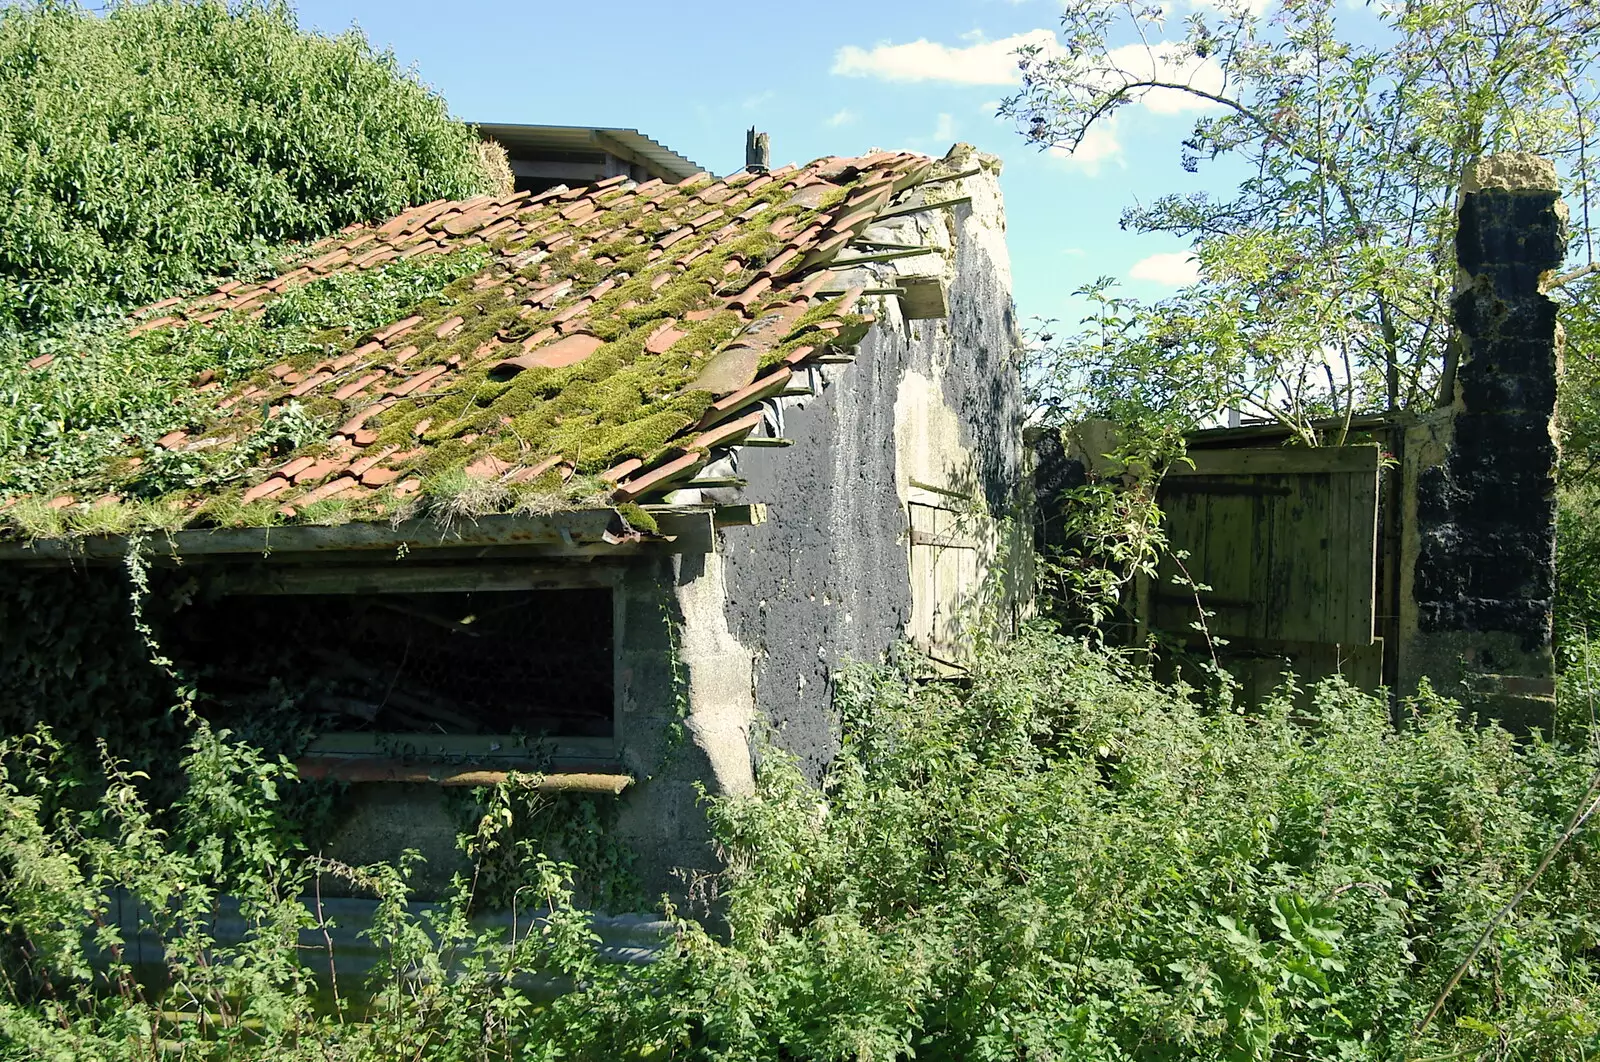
1478	553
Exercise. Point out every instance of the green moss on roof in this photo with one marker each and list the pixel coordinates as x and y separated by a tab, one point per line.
262	390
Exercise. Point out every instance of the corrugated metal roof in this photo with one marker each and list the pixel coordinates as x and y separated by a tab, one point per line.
629	144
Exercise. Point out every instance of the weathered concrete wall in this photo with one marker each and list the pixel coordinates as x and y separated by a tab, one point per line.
1478	554
714	647
762	626
826	580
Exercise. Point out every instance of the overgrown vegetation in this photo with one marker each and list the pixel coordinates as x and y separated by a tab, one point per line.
1063	861
151	145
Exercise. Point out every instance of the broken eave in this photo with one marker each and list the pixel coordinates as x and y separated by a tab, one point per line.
582	533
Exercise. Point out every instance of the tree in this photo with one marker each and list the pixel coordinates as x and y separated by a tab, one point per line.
1327	273
163	141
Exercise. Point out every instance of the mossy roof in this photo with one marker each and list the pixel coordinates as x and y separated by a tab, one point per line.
619	331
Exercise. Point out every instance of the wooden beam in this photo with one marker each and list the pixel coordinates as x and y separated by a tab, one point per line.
715	481
694	531
345	769
917	208
953	176
751	515
402	577
884	256
1279	460
567	753
578	533
771	440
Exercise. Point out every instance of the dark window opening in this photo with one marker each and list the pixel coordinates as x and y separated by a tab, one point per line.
533	662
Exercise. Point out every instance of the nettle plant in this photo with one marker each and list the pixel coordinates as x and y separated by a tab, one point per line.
1061	859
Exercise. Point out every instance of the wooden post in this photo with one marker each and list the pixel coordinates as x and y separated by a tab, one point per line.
757	151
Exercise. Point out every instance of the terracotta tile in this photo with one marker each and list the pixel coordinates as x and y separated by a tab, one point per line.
359	468
314	472
816	282
403	355
355	387
265	489
310	383
41	361
749	296
701	315
579	307
666	240
780	264
659	477
728	370
715	193
617	473
171	439
376	257
364	437
725	433
799	355
61	501
344	361
410	486
582	209
662	279
765	387
533	472
333	487
539	338
353	425
208	317
568	350
664	336
601	288
488	466
449	327
295	467
383	335
378	477
416	382
705	219
422	250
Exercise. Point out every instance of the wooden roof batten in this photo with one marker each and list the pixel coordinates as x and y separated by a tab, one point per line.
575	534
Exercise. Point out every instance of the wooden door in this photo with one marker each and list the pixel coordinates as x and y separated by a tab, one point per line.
1286	540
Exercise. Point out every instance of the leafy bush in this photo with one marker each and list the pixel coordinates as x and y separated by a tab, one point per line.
1062	861
172	139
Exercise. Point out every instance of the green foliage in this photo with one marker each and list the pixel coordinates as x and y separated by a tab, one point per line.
1326	272
1062	860
148	147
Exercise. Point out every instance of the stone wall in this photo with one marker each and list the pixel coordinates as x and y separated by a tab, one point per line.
1478	555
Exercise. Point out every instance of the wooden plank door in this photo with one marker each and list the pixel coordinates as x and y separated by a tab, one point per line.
1285	539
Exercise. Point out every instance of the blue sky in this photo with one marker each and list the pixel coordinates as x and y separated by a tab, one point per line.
824	78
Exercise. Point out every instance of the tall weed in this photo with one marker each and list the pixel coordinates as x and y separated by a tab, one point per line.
1060	860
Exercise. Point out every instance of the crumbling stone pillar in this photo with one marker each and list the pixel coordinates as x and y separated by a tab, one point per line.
1478	562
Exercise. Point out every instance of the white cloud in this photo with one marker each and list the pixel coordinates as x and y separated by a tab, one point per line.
1233	7
1161	63
751	103
843	116
944	129
979	63
1172	268
1098	147
995	63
